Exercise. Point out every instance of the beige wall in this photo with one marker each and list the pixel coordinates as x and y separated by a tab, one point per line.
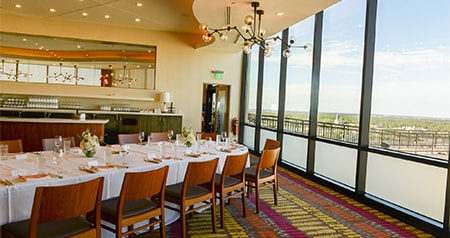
181	68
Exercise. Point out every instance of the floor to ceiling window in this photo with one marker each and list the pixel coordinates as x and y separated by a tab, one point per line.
341	71
298	93
390	69
412	78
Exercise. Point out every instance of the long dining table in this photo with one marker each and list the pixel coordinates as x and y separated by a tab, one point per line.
17	191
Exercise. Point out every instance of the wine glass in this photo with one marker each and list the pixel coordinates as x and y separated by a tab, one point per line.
58	142
123	152
141	136
223	136
170	135
58	157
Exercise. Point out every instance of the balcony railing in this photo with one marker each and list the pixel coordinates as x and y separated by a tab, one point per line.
421	142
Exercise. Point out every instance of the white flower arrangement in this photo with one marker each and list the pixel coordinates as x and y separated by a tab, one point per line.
89	144
188	136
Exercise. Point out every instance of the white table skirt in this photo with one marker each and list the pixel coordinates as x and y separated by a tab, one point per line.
16	201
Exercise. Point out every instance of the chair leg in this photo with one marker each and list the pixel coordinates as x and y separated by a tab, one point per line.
213	214
243	201
183	221
162	225
275	192
257	197
222	211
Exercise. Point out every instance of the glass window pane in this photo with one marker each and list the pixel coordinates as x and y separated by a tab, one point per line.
411	78
298	79
252	86
341	71
269	117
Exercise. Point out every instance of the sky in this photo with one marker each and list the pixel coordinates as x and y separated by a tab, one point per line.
412	60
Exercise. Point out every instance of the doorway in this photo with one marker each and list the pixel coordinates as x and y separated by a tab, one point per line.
215	108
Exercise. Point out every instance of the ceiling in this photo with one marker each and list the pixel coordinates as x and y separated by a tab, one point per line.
182	16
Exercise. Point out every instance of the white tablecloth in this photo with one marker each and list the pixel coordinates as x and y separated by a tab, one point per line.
16	201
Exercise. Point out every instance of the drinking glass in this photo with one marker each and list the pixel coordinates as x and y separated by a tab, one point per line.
3	151
58	157
170	135
223	136
123	152
208	141
58	142
141	136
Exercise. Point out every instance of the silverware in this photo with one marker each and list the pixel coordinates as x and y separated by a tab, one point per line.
6	182
86	170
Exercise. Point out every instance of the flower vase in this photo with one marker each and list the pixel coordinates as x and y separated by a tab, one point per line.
90	153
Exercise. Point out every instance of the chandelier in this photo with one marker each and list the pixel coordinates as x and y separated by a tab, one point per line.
66	77
123	78
252	34
13	73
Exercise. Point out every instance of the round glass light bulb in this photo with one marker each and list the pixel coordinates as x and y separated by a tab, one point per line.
246	47
287	53
248	20
308	47
206	37
223	37
203	27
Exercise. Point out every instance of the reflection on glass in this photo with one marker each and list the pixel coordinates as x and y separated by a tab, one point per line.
42	59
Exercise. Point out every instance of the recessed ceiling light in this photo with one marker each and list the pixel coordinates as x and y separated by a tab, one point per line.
18	6
139	4
137	20
107	16
84	14
52	10
279	13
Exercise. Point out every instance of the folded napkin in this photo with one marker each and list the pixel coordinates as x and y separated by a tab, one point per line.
19	155
192	155
101	168
231	149
35	177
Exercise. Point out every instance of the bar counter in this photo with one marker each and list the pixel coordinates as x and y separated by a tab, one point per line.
32	130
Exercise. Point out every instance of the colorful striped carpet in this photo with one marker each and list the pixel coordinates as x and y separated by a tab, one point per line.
305	209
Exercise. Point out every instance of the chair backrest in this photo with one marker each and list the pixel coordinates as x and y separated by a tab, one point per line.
14	146
235	166
205	135
128	138
49	143
271	144
269	159
200	173
55	203
159	136
141	185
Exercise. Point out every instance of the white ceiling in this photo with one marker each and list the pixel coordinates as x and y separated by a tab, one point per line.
167	15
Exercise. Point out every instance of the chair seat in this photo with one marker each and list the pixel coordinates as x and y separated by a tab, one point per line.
254	161
229	181
130	208
251	173
62	228
193	191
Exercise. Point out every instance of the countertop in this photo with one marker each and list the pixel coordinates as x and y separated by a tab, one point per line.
51	120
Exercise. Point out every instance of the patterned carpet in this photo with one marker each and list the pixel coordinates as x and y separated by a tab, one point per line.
305	209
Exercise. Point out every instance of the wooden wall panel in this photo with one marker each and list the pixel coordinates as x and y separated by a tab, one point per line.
32	134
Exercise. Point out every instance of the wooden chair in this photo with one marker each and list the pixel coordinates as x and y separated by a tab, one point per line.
59	211
159	136
128	138
49	143
208	134
265	174
141	198
231	182
14	146
197	187
268	145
